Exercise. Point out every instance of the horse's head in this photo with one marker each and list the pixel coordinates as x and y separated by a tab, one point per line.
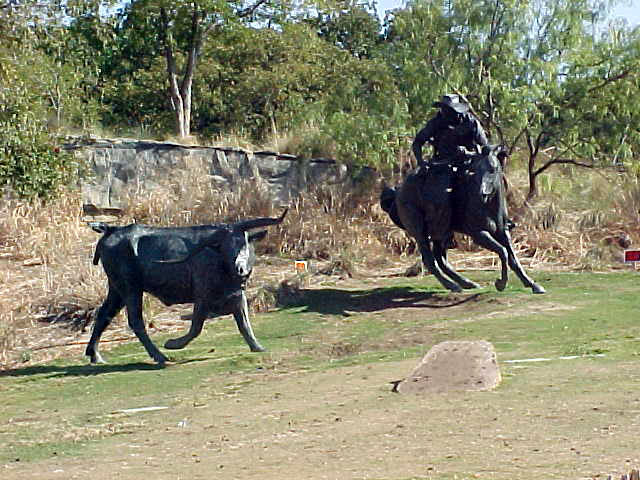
485	172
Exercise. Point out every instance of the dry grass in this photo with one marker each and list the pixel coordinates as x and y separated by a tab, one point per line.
45	249
583	219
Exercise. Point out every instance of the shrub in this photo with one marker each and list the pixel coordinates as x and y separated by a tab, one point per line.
31	162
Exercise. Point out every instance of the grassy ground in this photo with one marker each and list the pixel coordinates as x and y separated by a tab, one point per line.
319	403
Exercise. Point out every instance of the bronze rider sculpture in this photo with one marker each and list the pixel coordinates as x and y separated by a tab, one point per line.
453	130
456	136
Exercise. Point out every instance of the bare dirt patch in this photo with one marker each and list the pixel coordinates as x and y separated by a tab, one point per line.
346	423
454	366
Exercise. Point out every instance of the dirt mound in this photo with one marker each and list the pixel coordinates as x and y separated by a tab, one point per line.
451	366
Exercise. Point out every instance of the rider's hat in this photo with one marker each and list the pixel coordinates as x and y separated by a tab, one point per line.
454	102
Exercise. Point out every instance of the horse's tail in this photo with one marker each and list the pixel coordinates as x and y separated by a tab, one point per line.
388	204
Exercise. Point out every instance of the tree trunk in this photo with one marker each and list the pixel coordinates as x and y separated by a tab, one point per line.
534	148
178	105
180	93
533	178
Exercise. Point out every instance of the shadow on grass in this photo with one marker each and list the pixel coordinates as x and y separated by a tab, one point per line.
55	371
77	370
331	301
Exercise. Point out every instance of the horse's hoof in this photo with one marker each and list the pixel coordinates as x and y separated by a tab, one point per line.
500	285
470	285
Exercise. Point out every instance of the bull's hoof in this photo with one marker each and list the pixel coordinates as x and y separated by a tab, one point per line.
97	359
161	361
538	289
174	344
500	284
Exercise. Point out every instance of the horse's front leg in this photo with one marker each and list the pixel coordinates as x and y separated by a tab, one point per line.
514	263
485	240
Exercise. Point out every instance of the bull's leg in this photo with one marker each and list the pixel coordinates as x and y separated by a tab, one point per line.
484	239
505	239
241	314
109	309
136	323
440	254
197	321
414	224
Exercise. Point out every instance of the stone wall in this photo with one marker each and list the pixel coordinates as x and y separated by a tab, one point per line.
120	168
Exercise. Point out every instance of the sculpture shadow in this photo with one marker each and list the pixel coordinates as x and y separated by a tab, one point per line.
325	301
88	370
332	301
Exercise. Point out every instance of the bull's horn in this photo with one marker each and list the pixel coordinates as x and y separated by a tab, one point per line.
259	222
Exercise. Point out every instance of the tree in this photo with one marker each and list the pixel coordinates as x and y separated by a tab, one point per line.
351	25
181	28
31	164
591	118
530	69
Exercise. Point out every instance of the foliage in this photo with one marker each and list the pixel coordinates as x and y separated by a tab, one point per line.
350	25
259	81
537	73
31	163
552	80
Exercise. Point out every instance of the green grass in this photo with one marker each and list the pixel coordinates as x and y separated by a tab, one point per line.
67	406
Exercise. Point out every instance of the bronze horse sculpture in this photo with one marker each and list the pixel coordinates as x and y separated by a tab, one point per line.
429	205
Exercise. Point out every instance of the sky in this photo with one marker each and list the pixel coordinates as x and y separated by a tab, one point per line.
628	9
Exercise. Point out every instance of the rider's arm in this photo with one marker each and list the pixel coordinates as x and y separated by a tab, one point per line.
479	137
425	135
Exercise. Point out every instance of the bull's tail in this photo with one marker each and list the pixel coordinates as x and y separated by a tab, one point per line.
106	230
388	204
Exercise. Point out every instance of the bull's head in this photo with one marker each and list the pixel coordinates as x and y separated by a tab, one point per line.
235	244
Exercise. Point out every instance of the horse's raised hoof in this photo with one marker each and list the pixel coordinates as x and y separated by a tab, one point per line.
538	289
500	284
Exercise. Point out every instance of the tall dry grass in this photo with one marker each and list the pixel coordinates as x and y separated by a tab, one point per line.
325	222
583	219
45	255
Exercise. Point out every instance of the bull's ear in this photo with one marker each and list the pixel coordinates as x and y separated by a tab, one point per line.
217	239
257	236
